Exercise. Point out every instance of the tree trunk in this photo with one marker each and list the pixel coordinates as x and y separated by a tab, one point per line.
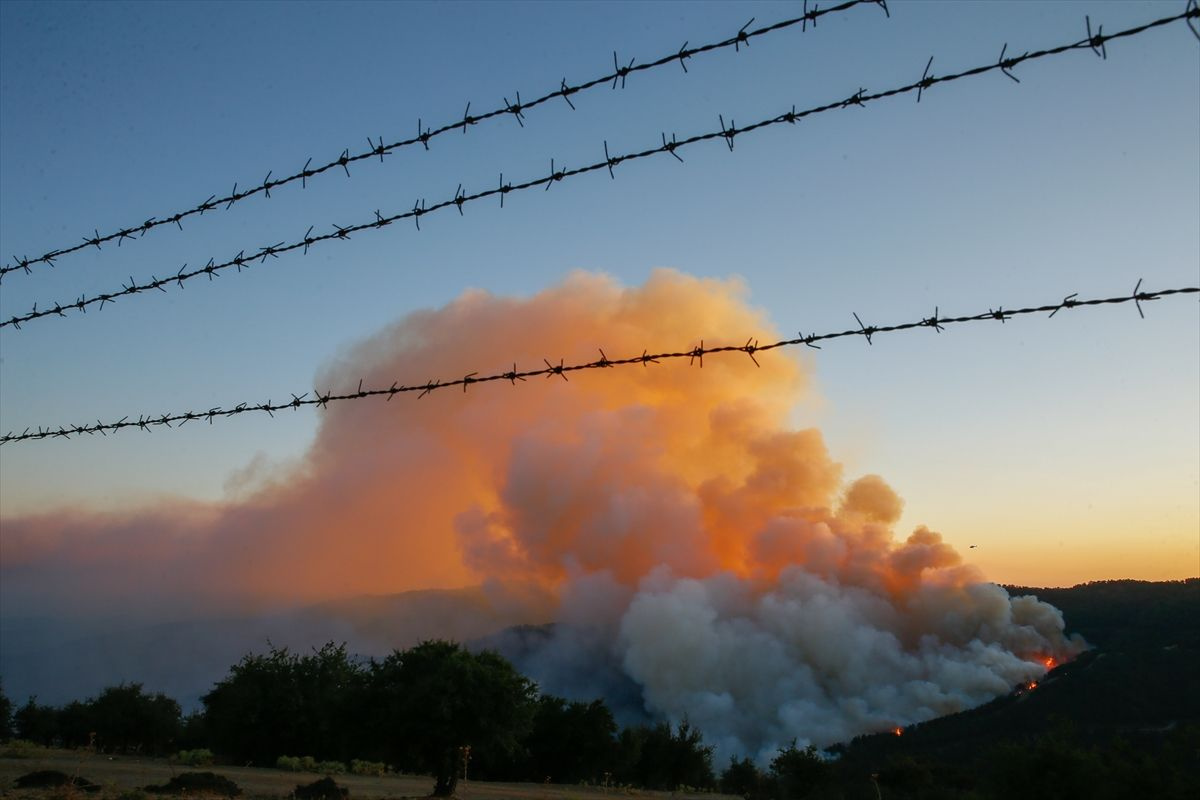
445	786
447	777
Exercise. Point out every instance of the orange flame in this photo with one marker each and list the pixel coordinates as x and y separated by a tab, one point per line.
898	731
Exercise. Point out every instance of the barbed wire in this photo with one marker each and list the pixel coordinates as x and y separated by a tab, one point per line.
694	355
425	134
1095	42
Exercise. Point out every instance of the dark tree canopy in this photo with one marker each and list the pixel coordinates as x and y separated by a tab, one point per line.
6	710
571	741
281	703
443	698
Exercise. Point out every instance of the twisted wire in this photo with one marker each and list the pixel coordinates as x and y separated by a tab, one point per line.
1095	42
426	135
694	355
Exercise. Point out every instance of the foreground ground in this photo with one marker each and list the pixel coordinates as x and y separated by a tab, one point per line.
120	774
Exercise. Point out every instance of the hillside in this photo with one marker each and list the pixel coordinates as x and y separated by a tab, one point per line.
1133	698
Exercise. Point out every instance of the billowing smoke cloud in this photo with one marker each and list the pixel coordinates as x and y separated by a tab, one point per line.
708	561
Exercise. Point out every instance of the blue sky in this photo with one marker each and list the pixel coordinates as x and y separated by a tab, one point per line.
1077	434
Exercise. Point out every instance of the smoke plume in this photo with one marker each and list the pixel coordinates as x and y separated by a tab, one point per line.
701	559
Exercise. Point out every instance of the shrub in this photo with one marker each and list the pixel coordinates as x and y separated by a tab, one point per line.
331	767
308	764
324	789
288	762
53	779
201	757
373	768
20	748
194	782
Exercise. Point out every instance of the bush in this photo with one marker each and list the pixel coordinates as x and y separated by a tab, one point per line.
201	757
308	764
331	767
290	763
20	748
375	769
53	779
324	789
195	782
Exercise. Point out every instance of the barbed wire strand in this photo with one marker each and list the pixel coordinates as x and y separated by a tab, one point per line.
426	135
727	132
694	355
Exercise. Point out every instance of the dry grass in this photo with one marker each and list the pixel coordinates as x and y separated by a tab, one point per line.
122	775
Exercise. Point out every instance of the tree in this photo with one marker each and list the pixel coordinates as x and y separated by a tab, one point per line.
126	719
661	757
800	773
284	704
744	779
6	709
570	741
441	700
37	723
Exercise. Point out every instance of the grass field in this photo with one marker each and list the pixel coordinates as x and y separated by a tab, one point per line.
120	774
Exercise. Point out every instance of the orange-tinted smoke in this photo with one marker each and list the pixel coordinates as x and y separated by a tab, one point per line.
378	503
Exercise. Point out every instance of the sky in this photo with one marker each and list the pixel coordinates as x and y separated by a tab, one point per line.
1063	449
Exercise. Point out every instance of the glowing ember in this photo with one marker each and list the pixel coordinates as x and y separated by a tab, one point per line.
898	731
1050	662
1032	685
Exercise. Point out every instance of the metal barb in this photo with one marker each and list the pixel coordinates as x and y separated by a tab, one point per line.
867	332
1006	66
515	109
729	133
1067	302
684	54
565	90
750	349
1096	42
560	371
670	146
742	38
619	71
926	81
